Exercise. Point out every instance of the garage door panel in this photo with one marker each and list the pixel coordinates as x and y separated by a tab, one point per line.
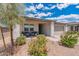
59	28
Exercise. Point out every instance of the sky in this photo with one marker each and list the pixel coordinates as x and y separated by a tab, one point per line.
61	12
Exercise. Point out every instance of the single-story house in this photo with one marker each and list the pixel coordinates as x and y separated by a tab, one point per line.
46	27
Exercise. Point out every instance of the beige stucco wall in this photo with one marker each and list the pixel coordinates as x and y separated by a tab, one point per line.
52	28
67	28
16	31
47	28
36	24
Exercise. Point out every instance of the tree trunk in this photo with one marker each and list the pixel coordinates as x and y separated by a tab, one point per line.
11	33
12	41
3	38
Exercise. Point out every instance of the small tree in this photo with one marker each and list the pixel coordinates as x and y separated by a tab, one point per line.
9	14
3	37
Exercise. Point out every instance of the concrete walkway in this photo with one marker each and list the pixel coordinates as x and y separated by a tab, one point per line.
53	38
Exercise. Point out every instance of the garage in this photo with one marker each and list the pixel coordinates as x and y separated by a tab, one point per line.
59	28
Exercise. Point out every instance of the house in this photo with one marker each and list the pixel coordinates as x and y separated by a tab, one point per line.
46	27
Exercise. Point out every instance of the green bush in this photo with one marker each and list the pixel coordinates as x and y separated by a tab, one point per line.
42	39
78	33
37	47
71	32
69	40
21	40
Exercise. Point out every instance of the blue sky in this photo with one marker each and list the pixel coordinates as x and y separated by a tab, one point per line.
62	12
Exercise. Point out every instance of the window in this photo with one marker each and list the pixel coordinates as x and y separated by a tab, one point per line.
28	27
31	29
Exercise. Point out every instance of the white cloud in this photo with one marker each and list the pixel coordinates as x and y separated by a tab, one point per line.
66	18
39	15
31	8
61	6
53	7
46	8
76	20
77	6
39	6
30	15
43	14
64	5
64	21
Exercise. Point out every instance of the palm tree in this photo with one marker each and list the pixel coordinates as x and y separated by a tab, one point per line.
3	37
9	14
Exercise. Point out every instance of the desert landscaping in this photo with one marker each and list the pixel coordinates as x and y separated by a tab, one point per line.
53	48
22	35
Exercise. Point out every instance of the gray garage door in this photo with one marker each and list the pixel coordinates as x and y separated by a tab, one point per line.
59	27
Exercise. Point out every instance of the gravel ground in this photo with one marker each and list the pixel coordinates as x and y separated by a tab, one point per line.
54	49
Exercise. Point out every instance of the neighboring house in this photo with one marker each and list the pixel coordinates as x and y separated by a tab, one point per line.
46	27
4	28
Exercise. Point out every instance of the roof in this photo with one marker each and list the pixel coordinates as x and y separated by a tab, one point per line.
73	23
61	23
31	18
70	23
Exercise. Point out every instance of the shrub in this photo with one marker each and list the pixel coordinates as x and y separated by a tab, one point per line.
42	39
21	40
69	40
37	47
78	33
71	32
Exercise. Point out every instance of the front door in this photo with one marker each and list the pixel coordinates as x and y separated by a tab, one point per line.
41	29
